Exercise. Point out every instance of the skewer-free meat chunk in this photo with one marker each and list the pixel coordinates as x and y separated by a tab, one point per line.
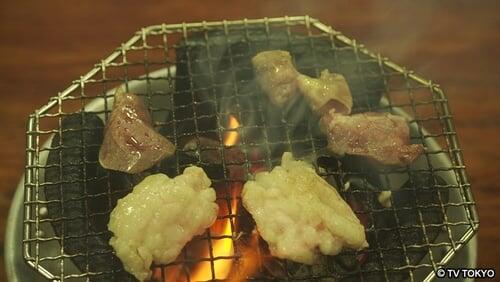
279	79
130	142
382	137
328	91
161	214
276	75
299	214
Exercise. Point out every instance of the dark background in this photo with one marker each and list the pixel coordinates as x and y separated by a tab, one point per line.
44	45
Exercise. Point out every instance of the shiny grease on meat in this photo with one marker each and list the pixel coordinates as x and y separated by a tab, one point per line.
130	142
382	137
328	91
276	75
279	79
156	220
299	214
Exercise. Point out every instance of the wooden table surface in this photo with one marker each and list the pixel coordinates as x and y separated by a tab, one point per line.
44	45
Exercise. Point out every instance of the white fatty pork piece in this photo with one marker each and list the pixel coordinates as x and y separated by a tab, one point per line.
276	75
328	91
161	214
381	137
299	214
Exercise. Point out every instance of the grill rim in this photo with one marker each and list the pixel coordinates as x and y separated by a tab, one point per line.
32	177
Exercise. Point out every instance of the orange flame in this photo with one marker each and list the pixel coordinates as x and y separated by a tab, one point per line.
222	247
232	137
249	263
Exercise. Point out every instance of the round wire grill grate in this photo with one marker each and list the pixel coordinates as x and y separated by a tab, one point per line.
195	78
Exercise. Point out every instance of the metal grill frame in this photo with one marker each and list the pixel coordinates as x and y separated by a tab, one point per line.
32	202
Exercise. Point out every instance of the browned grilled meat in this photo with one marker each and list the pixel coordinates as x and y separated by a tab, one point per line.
328	91
279	79
276	75
130	142
381	137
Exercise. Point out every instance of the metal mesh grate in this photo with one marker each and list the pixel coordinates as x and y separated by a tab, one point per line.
194	78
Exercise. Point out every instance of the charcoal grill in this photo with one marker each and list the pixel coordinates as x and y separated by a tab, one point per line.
193	78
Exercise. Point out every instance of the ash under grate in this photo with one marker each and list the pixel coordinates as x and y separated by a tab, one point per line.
212	84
